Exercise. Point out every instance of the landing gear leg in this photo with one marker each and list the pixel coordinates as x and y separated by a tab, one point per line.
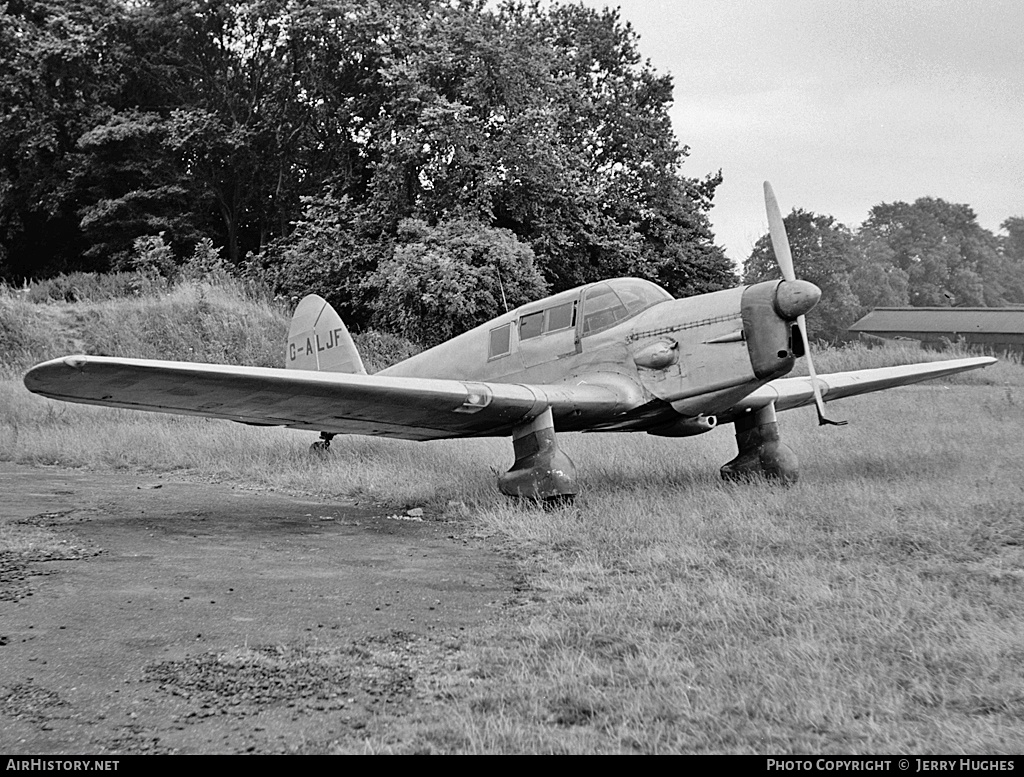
323	445
541	471
760	450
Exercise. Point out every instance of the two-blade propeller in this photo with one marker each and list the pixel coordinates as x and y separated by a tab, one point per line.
780	244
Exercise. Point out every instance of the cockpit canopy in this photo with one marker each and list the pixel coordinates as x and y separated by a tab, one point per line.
607	303
603	305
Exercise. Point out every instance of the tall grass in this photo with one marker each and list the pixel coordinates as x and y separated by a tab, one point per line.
191	322
861	356
874	607
216	320
93	287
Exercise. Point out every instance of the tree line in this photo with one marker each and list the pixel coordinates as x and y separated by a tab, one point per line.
929	253
370	150
423	164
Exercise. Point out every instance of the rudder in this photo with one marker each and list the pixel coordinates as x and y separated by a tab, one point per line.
318	340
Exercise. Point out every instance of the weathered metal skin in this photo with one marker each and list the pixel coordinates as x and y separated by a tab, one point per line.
761	452
700	342
682	361
541	472
769	336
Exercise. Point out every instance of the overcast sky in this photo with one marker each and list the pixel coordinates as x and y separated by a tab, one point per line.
843	105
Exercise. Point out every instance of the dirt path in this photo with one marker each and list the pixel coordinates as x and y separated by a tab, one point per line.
162	616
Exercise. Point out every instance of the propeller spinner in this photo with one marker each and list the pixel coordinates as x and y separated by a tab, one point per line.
794	297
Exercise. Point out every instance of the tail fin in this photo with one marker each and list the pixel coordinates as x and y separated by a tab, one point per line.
319	340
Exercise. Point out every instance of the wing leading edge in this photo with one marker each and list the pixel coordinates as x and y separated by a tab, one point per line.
789	393
407	408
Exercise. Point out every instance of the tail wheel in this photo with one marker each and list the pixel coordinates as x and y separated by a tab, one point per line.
322	446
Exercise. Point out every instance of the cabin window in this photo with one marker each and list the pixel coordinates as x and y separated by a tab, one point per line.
602	309
531	325
501	341
561	317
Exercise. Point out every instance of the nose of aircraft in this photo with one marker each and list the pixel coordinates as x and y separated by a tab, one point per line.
795	298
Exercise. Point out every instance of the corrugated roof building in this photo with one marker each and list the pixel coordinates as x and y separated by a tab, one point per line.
995	329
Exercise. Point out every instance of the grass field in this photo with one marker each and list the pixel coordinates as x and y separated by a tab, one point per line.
876	606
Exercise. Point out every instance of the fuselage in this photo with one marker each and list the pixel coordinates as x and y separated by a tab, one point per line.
678	361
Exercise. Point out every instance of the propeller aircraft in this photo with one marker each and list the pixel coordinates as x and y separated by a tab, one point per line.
620	355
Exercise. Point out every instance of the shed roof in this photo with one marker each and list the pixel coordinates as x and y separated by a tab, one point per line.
942	320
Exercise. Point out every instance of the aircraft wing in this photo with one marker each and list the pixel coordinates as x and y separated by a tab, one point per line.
407	408
788	393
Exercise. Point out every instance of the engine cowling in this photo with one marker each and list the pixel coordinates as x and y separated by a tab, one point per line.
770	310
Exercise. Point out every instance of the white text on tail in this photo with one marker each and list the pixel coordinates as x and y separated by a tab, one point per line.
319	340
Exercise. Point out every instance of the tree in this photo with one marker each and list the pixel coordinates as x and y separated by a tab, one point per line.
546	124
876	281
329	253
1012	249
824	253
229	118
677	240
131	187
59	66
228	75
443	280
1013	243
654	221
949	259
